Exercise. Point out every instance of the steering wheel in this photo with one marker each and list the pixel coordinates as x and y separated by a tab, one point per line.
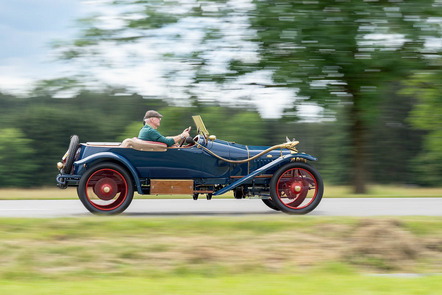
181	142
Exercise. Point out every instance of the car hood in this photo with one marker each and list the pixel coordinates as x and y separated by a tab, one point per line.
236	151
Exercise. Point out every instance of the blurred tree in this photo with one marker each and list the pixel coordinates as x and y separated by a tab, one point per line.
427	116
48	123
54	87
131	130
49	129
45	124
345	51
335	149
183	47
17	165
238	125
393	141
329	52
10	106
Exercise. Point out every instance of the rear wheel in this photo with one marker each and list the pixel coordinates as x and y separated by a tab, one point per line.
106	189
296	188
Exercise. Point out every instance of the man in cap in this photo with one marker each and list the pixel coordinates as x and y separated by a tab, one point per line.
152	120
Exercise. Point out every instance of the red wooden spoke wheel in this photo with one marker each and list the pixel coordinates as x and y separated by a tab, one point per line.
106	189
296	188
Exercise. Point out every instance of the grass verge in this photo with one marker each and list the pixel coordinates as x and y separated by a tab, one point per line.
236	255
211	246
383	191
311	283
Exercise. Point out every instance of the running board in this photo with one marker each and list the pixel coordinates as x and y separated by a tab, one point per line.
251	175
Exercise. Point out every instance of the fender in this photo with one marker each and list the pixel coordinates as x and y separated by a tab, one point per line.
281	160
104	156
304	156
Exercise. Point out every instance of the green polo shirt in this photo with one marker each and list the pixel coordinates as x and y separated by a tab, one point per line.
151	134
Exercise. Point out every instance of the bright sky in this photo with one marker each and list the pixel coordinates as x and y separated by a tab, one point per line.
27	28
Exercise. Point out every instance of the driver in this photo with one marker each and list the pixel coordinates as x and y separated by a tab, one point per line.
151	121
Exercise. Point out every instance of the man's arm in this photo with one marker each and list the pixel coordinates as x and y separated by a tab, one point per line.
181	136
148	133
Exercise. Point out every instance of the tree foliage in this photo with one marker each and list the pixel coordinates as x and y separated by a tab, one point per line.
329	52
238	125
35	135
17	165
368	63
35	131
427	117
345	51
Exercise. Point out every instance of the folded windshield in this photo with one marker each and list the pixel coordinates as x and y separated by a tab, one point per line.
200	126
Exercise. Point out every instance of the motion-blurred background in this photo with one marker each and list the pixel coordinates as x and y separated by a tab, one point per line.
358	83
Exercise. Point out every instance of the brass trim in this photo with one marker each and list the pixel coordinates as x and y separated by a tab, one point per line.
289	145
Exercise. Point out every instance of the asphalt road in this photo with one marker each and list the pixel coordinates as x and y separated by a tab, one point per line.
226	207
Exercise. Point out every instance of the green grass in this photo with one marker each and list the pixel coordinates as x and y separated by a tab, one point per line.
374	191
310	283
382	191
117	246
213	255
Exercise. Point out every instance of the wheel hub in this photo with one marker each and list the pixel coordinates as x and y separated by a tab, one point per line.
296	188
106	189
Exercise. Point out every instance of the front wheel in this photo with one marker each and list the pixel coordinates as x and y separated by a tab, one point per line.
106	189
296	188
270	204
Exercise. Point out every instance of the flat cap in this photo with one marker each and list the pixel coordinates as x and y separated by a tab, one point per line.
152	113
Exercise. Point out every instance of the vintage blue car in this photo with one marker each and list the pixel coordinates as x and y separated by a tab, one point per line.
107	174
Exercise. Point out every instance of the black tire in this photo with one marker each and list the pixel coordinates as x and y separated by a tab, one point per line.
270	204
106	189
73	146
296	188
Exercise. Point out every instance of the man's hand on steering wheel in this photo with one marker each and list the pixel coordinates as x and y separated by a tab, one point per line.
184	135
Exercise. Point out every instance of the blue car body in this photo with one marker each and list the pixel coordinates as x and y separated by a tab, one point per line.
214	166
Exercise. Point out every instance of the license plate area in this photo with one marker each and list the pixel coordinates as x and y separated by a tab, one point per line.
171	187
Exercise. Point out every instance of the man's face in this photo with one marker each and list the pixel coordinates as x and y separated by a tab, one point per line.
155	122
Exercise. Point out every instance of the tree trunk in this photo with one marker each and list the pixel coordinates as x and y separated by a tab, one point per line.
358	150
